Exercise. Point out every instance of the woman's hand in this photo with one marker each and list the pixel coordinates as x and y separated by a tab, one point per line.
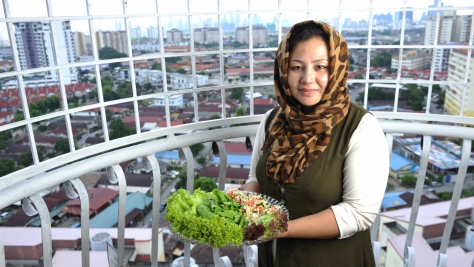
253	187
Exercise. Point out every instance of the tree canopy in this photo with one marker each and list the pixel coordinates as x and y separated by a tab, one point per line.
5	138
237	93
111	53
7	165
119	129
196	148
382	60
40	107
62	146
205	183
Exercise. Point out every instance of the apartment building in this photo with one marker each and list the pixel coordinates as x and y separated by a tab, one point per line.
115	39
206	35
454	100
259	34
445	31
174	35
412	60
82	44
35	49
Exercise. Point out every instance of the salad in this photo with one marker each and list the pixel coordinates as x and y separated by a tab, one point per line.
220	219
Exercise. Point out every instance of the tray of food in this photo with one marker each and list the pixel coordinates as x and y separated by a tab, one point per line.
231	218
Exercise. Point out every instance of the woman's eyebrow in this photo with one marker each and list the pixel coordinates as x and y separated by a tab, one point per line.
300	61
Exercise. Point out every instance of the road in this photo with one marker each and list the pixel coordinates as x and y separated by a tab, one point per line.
164	195
448	187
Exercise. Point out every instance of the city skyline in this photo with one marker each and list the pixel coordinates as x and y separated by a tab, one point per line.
114	7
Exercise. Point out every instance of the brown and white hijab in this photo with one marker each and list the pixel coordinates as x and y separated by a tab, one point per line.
297	139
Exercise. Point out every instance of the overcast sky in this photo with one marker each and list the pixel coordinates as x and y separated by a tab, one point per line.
37	8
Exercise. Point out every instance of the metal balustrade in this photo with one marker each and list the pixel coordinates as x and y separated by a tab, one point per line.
25	185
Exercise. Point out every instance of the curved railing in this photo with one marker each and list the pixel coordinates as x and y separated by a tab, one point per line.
25	184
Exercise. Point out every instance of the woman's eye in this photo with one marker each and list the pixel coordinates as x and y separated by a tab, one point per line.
296	68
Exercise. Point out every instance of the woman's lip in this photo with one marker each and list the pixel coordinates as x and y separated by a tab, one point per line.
304	90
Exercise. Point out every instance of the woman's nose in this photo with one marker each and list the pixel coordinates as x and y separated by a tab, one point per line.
308	76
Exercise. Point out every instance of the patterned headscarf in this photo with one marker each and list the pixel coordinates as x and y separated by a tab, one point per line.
297	139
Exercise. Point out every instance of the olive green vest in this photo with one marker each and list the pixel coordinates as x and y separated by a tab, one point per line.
318	188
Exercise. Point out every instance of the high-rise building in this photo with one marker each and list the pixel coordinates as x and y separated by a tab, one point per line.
117	40
35	48
259	34
452	28
399	18
82	44
441	57
445	29
174	35
152	32
454	94
208	35
462	28
412	60
136	32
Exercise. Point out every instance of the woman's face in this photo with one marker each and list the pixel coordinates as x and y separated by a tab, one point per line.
307	72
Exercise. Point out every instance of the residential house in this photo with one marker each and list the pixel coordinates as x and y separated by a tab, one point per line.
233	175
99	200
429	228
136	182
108	218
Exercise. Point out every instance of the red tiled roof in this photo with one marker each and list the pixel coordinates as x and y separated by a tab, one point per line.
261	101
162	123
98	197
236	148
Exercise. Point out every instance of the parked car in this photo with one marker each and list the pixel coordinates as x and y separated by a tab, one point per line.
435	184
76	224
162	207
5	215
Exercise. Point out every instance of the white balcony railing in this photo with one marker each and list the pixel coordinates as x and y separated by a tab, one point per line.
26	184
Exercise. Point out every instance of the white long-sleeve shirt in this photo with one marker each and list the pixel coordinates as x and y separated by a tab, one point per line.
366	170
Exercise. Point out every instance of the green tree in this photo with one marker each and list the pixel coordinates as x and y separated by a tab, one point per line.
92	95
18	116
359	76
5	138
111	53
205	183
147	86
376	94
239	112
26	159
107	81
215	117
409	179
183	179
53	102
156	66
7	165
202	160
181	71
196	148
382	60
62	146
237	93
467	192
119	129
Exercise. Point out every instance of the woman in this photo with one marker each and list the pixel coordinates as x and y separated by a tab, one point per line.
325	158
